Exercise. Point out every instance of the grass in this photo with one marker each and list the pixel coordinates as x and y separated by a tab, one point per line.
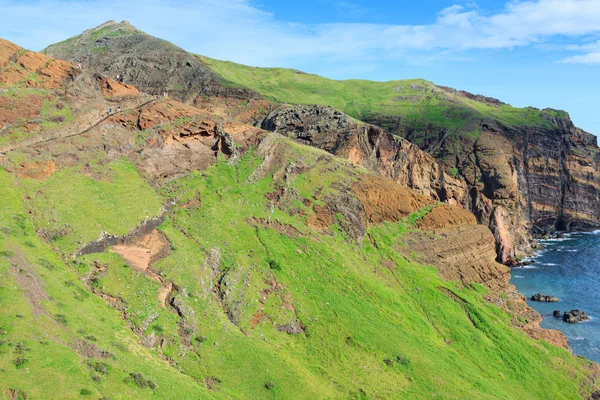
375	325
418	102
77	207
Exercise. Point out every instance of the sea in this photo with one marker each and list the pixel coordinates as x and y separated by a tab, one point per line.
568	268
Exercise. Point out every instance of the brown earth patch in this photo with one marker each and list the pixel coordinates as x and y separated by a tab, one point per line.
464	253
446	216
40	170
256	319
140	254
385	200
321	220
112	88
164	111
7	51
12	75
285	229
14	108
203	131
32	61
549	335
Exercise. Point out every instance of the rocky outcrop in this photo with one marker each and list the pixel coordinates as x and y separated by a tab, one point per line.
153	65
543	298
394	157
575	316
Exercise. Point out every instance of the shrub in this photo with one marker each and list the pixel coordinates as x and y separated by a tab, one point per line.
101	367
200	339
274	265
61	318
85	392
140	381
270	385
20	362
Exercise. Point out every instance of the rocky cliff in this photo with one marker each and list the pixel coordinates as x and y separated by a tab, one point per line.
514	179
392	156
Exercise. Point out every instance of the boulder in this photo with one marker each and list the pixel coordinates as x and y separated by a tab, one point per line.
557	313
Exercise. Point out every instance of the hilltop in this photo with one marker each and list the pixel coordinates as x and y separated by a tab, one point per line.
171	250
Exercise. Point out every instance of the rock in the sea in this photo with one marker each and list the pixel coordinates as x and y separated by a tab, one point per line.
574	316
557	313
544	298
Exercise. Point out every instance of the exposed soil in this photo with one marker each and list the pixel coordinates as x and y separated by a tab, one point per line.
141	253
385	200
39	170
112	88
321	220
285	229
50	73
446	216
13	108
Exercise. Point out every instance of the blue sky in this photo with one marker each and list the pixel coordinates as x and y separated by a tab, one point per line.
543	53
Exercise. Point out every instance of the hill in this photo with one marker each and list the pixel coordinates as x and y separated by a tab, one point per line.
169	251
520	170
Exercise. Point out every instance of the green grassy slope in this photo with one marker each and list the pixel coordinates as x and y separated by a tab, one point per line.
418	102
375	324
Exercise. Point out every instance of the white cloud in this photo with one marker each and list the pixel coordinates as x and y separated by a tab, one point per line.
238	31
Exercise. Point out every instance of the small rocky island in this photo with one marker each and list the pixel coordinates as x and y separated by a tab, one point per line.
544	298
574	316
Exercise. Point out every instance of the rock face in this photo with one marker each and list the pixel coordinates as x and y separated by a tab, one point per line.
512	178
520	177
369	145
544	298
152	65
575	316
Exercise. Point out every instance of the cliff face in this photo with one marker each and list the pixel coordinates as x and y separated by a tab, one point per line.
514	179
525	178
369	145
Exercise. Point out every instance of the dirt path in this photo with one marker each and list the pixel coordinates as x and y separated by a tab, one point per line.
65	135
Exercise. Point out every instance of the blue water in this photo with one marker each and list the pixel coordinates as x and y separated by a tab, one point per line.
568	268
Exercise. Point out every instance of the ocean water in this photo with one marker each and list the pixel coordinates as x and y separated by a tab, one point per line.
568	268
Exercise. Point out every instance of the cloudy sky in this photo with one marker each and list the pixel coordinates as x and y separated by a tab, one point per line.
544	53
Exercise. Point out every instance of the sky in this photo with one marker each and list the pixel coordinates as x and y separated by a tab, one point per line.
541	53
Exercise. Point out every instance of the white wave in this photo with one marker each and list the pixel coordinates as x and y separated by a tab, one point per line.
578	338
519	277
528	267
548	264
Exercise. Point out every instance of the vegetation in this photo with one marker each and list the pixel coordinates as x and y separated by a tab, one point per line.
418	102
366	330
